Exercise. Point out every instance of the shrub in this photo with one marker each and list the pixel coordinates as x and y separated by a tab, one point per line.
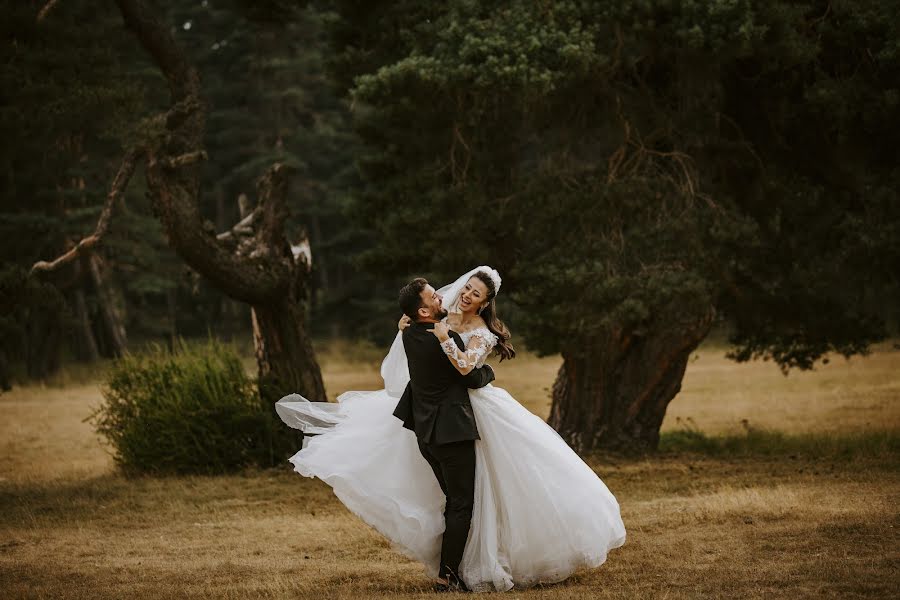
194	410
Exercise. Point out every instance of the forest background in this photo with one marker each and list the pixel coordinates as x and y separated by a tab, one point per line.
669	189
640	173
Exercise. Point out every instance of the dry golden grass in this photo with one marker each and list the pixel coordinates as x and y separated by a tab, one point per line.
43	436
718	394
806	526
854	394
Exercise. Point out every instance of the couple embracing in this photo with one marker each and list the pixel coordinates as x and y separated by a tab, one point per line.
457	474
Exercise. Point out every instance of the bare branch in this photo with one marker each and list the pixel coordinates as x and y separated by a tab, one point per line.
156	37
126	169
184	159
47	8
242	227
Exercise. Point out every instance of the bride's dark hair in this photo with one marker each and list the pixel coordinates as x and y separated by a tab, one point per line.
494	324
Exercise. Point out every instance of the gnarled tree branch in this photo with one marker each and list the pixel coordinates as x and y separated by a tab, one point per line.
174	179
244	227
141	18
262	269
120	183
184	160
46	10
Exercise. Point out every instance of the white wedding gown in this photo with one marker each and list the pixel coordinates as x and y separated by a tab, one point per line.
540	512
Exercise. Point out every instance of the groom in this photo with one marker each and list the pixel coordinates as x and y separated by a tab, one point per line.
435	405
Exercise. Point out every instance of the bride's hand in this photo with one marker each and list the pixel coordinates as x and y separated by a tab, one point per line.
403	323
441	330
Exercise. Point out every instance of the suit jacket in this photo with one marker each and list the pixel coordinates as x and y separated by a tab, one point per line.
436	403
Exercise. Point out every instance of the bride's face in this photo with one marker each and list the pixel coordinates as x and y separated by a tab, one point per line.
473	296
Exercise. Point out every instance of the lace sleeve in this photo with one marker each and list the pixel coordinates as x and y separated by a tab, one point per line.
478	347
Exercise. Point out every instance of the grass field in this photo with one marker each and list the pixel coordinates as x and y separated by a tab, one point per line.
769	487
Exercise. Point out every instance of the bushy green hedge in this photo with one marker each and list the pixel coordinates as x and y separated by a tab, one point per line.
194	410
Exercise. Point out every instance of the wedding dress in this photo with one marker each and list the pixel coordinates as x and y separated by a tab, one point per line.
540	513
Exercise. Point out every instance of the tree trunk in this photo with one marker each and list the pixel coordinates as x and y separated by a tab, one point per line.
284	353
42	347
5	382
113	325
254	263
612	394
85	344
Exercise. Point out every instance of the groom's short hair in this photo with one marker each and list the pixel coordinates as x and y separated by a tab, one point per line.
411	297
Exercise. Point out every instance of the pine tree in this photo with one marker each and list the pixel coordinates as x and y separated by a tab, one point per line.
639	171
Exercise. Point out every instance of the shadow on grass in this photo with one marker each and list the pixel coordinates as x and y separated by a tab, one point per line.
112	496
884	445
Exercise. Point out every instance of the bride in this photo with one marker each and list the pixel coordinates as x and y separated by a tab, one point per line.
540	513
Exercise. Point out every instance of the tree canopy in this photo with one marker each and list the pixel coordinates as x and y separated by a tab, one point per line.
639	171
625	162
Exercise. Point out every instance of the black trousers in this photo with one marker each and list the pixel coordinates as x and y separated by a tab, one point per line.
454	466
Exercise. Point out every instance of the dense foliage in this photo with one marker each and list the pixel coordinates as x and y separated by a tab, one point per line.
639	171
62	116
191	411
628	163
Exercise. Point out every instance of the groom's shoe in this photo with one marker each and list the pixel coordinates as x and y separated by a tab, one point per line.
442	584
456	584
453	584
450	587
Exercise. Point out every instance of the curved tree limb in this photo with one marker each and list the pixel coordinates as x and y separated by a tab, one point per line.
252	279
184	160
244	227
46	9
113	199
141	18
261	268
174	179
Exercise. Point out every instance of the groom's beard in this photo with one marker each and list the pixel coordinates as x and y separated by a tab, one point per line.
440	313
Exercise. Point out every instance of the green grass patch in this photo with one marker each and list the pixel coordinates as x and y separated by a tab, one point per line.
762	442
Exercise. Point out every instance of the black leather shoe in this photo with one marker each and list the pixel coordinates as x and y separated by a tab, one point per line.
457	585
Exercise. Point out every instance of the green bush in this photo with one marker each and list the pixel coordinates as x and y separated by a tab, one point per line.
194	410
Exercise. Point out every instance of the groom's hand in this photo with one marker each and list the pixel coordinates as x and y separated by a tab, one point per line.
479	378
441	330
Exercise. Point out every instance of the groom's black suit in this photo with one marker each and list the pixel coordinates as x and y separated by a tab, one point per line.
435	405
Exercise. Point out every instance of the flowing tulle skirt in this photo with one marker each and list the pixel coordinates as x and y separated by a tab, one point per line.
540	512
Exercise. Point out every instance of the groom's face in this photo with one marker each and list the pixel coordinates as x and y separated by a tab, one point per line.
431	309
